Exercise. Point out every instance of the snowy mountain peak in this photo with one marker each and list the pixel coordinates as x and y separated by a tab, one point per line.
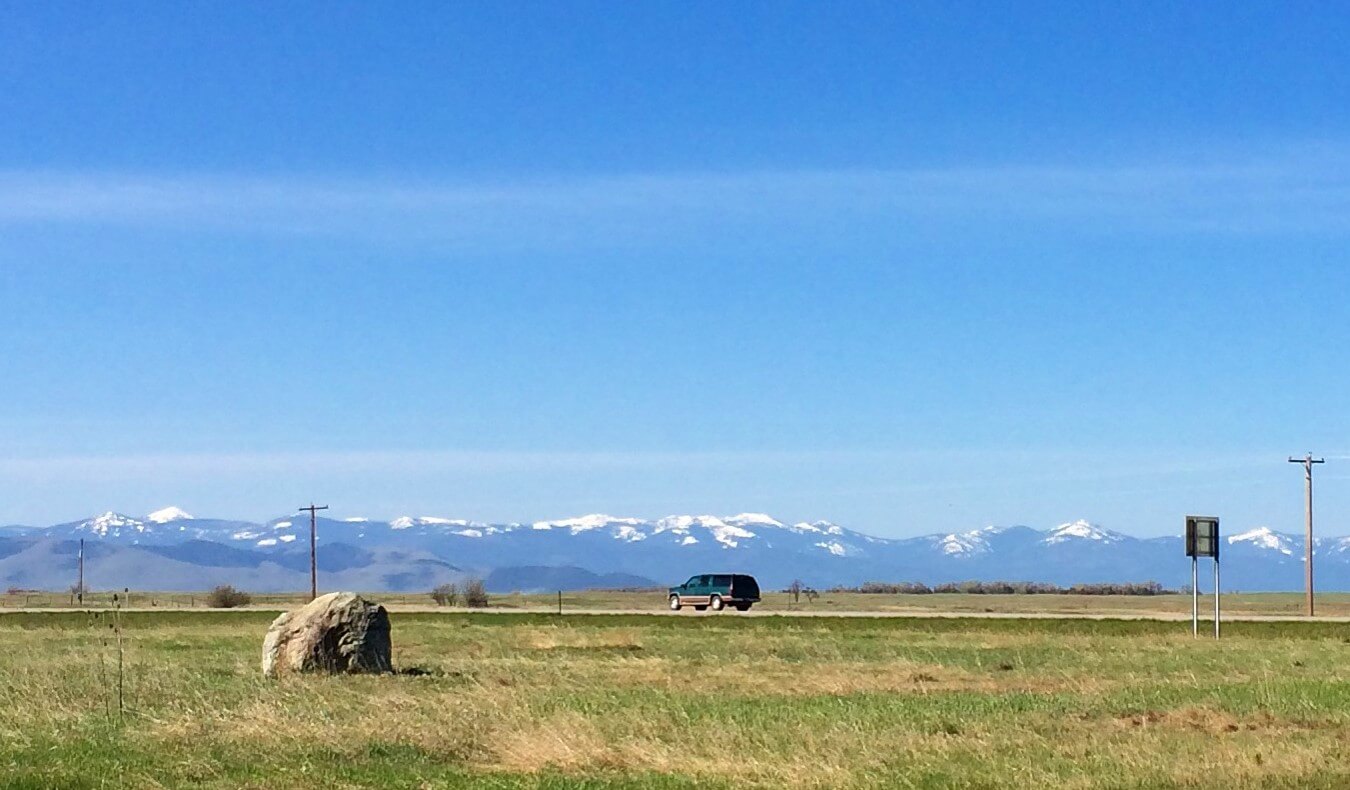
1265	538
168	514
730	535
407	522
963	544
110	522
685	523
762	519
819	552
1081	530
583	523
827	527
727	531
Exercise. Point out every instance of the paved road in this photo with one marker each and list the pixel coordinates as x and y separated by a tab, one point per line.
918	613
931	614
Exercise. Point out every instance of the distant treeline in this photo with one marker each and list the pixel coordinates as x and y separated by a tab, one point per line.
1005	588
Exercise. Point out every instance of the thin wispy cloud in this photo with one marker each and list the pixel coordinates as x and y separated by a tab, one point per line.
1305	193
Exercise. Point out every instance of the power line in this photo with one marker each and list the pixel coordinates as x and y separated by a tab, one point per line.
313	564
1308	462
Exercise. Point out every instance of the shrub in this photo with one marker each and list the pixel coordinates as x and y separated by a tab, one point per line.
226	597
475	594
1008	588
446	595
887	588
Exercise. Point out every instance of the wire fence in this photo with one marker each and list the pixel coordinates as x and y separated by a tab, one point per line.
19	599
133	599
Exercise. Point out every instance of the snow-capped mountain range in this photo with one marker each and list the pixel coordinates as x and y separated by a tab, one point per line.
171	549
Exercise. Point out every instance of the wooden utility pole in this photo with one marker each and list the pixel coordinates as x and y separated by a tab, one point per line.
1308	462
79	584
313	556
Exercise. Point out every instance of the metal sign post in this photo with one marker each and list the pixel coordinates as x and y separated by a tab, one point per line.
1202	540
1216	595
1195	596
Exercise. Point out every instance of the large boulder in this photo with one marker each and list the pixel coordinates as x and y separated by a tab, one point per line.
337	632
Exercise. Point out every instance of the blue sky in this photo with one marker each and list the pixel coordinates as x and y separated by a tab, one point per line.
908	267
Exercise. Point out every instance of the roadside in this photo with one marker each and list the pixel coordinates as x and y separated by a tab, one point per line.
1205	622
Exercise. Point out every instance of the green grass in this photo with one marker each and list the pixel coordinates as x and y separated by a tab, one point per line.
532	700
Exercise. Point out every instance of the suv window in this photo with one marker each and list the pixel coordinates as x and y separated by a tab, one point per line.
722	581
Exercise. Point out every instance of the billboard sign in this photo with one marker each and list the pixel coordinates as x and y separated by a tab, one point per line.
1202	536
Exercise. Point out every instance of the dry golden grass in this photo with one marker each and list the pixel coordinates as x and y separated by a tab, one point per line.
529	701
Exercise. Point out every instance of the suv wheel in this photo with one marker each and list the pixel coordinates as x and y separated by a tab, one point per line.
674	603
716	603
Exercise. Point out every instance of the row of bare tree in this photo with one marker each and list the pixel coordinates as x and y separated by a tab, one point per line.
473	594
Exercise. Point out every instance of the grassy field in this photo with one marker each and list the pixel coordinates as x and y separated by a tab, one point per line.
1329	604
529	700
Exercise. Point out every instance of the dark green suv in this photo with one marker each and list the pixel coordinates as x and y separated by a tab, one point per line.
717	590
